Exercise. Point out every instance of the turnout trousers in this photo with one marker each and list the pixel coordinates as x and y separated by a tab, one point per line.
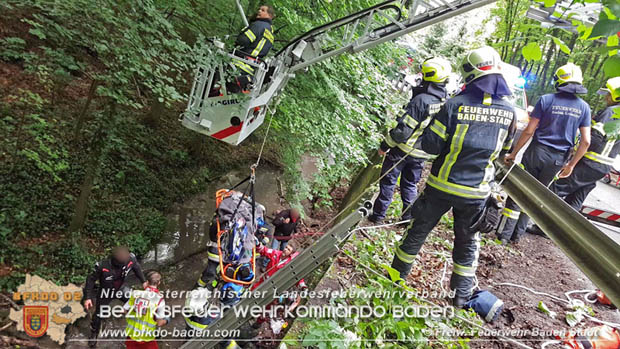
575	188
410	171
543	163
210	274
426	213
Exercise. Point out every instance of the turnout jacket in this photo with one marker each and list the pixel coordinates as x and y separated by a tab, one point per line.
602	151
425	103
467	134
257	39
111	276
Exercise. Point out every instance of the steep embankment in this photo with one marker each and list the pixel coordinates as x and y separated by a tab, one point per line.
94	153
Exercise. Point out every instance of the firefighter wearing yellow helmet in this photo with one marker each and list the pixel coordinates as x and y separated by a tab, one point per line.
553	129
599	158
404	157
470	131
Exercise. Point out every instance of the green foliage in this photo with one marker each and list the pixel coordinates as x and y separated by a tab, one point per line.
13	50
532	52
90	110
327	334
335	111
606	26
448	221
611	67
561	45
139	49
612	129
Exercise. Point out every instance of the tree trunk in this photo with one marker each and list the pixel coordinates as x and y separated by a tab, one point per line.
81	206
81	119
546	66
517	51
594	61
92	171
157	109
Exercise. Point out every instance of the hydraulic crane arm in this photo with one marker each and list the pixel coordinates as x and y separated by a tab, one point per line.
231	117
371	27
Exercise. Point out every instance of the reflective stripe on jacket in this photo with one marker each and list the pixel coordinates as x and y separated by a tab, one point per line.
257	39
421	109
603	150
467	135
143	305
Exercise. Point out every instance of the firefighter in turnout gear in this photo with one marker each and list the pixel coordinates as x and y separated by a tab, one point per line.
145	313
597	161
254	42
404	157
467	134
553	125
257	39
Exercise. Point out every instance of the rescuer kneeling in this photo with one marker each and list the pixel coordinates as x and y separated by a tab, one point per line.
467	134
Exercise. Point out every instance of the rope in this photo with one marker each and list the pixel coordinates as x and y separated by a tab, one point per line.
356	199
569	301
348	235
470	322
514	163
260	153
349	205
534	291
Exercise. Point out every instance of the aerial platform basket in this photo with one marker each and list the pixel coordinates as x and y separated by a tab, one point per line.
215	111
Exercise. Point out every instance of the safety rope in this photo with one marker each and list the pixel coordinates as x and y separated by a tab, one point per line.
252	177
260	153
353	202
514	163
464	319
347	237
569	300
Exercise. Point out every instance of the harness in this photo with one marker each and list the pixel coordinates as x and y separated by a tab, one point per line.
233	234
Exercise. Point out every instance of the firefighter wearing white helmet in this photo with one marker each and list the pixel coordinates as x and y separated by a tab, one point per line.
553	129
481	62
404	158
470	131
200	310
599	158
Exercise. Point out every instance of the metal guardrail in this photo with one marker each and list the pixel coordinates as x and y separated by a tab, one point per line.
287	277
596	254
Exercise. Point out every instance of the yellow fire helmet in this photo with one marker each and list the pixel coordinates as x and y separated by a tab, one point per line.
481	62
569	72
436	69
613	88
